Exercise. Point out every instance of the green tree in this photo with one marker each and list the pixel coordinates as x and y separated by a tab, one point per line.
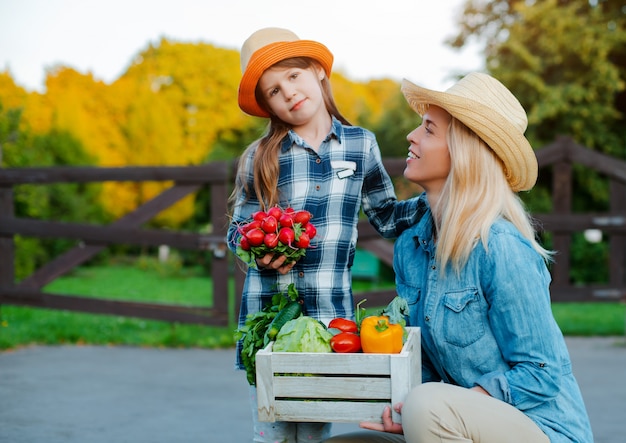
60	202
565	60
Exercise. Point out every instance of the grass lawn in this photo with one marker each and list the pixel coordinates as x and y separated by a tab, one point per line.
20	326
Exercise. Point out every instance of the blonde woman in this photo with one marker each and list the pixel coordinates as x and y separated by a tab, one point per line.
495	366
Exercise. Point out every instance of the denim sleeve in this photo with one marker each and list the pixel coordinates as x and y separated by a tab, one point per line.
516	282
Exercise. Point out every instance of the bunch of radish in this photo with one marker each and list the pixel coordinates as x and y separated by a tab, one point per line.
280	232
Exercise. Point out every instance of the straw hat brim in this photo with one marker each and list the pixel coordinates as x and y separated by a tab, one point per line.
271	54
502	136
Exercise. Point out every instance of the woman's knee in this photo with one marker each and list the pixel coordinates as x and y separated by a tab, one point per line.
424	399
424	408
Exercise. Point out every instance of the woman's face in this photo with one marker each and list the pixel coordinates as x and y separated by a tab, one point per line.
428	162
293	94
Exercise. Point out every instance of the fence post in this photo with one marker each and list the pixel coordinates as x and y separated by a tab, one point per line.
7	245
617	242
562	203
219	259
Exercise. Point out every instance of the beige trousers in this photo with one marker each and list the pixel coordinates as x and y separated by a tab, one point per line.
439	412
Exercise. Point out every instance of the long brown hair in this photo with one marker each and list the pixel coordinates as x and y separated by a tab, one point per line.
265	160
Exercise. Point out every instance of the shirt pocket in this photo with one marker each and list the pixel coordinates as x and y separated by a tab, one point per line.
463	322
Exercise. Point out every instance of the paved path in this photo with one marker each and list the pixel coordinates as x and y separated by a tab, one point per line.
85	394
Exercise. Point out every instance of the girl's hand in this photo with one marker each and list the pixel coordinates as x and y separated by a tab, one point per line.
274	262
387	425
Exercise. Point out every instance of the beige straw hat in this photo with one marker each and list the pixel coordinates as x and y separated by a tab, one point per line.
489	109
267	47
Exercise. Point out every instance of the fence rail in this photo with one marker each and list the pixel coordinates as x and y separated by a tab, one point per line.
218	177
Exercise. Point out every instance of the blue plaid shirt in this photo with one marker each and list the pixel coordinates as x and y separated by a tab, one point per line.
334	184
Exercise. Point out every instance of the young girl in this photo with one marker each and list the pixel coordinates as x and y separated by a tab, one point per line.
495	366
310	159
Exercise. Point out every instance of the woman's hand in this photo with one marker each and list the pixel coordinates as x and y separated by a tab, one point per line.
274	262
481	390
387	425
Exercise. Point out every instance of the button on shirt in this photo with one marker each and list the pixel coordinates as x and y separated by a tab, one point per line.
345	175
492	325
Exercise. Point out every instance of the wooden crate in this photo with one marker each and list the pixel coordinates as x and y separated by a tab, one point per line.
333	387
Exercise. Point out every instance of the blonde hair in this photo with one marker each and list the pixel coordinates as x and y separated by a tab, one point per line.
475	194
265	159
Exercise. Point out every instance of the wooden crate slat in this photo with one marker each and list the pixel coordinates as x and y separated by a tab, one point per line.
333	387
365	364
319	411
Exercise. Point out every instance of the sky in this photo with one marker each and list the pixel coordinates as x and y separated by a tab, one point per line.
391	39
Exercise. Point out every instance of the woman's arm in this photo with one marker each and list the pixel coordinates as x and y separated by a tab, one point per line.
515	282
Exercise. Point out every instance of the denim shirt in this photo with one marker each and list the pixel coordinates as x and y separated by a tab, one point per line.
492	325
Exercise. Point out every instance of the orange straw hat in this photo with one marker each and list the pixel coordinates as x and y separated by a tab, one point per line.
267	47
489	109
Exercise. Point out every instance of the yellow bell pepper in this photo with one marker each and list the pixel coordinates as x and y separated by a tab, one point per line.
379	336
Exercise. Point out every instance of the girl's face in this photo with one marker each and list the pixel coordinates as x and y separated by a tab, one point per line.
428	162
293	94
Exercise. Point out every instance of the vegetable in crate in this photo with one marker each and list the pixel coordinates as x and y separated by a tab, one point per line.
304	334
345	342
344	325
277	232
385	333
253	333
292	310
345	335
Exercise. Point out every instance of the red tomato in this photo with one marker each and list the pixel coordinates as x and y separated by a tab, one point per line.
255	236
345	342
302	217
344	325
310	230
271	240
303	241
286	236
275	212
269	224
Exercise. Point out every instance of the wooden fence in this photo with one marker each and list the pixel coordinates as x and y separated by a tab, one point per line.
218	177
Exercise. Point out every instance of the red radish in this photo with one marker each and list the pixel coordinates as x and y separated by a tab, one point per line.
259	215
245	244
286	236
274	232
302	217
275	212
286	220
310	230
269	224
271	240
255	236
303	241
